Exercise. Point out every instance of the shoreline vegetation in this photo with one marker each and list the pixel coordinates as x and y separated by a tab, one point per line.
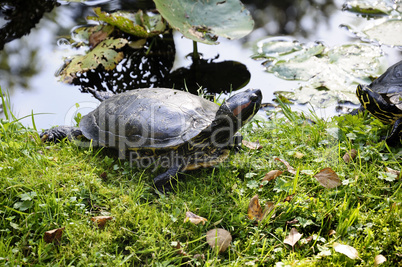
65	205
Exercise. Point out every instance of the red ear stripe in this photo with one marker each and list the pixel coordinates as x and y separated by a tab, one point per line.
240	108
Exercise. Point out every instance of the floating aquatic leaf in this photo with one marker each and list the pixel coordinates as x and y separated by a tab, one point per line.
277	47
220	238
385	33
204	21
293	237
104	54
347	250
370	7
138	24
331	73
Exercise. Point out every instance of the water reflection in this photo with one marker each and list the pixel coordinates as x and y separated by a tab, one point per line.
287	17
22	59
147	66
21	16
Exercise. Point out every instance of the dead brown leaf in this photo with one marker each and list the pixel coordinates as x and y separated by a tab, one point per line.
294	221
271	175
252	145
347	250
194	218
269	206
379	259
392	171
293	237
103	175
328	178
289	168
349	156
180	250
219	237
255	212
53	235
100	221
254	209
289	198
331	232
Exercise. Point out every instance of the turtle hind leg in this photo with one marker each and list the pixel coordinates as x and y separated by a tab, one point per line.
56	134
394	139
163	181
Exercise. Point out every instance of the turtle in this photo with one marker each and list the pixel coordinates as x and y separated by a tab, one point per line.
165	127
383	99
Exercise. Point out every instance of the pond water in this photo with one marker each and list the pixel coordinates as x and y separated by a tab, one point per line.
28	65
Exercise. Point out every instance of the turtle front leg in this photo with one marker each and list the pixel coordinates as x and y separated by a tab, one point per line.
162	181
56	134
394	139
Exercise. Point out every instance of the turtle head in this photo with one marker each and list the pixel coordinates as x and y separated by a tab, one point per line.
241	106
231	116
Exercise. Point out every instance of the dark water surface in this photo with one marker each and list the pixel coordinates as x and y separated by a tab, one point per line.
28	65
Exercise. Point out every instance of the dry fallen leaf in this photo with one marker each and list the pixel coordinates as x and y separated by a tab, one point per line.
252	145
331	232
100	221
219	237
180	250
328	178
349	156
294	221
254	209
269	206
194	218
379	259
290	168
53	235
347	250
255	212
271	175
289	198
392	171
293	237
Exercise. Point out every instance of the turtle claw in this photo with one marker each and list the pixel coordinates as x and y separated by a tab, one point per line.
56	134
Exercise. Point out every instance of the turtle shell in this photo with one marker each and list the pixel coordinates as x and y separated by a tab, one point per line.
389	85
148	118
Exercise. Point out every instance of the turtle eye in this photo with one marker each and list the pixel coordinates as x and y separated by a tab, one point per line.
253	97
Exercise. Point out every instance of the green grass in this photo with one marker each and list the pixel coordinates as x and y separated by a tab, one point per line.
46	186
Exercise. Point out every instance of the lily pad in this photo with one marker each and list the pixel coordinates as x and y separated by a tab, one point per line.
203	21
381	31
104	54
138	24
372	7
330	74
386	32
